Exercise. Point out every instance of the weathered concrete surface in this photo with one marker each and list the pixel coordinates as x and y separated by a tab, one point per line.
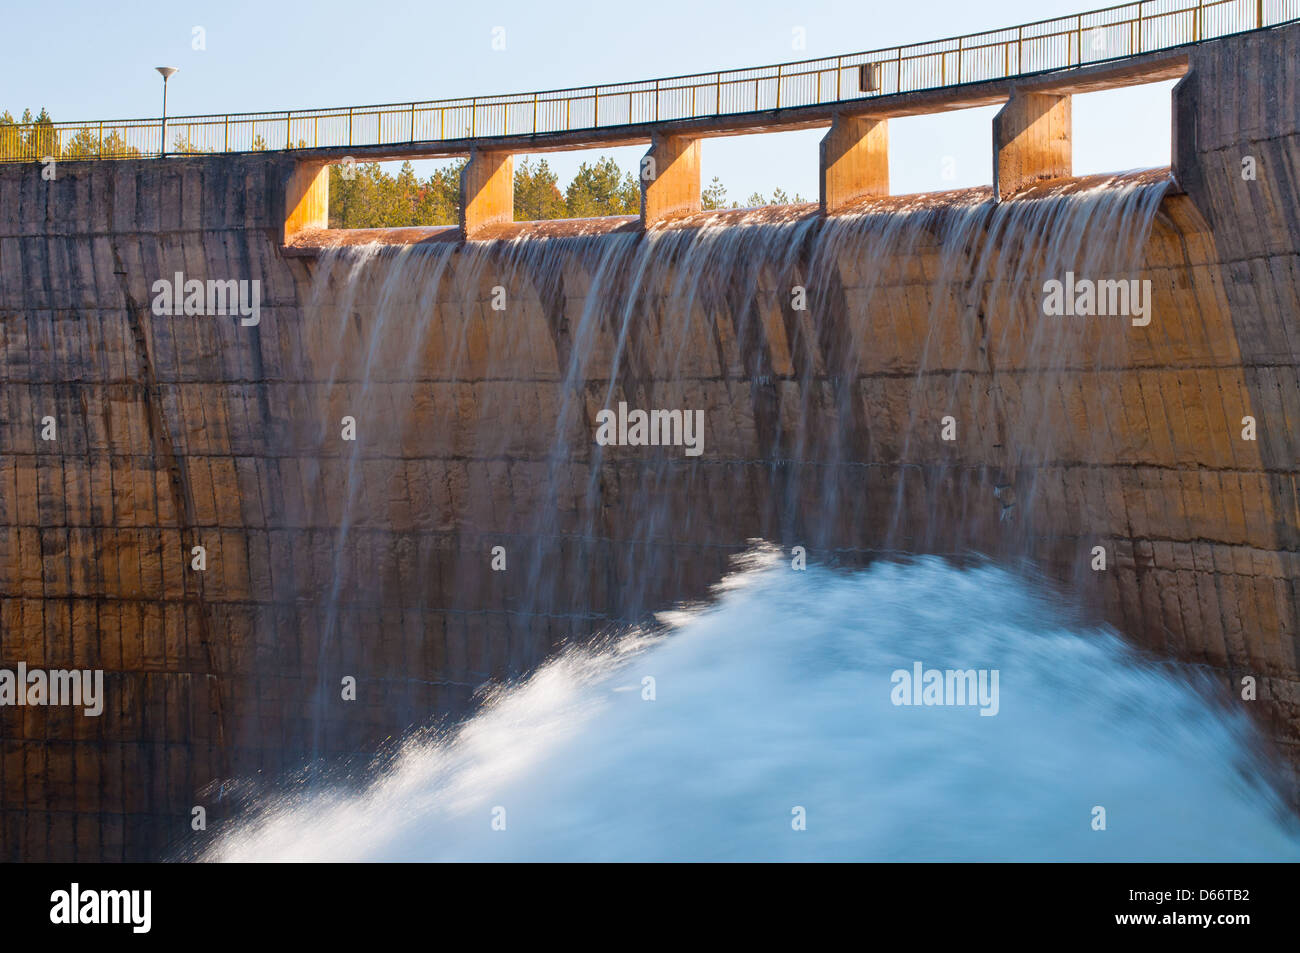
1236	140
671	187
182	431
1031	141
307	199
854	162
487	193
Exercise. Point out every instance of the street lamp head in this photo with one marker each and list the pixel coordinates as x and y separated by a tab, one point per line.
167	72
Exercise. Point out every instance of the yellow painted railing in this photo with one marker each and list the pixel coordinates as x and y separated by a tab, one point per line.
1060	43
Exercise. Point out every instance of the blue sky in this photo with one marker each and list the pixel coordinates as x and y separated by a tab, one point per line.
94	60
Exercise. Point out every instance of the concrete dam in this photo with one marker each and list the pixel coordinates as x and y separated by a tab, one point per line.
292	536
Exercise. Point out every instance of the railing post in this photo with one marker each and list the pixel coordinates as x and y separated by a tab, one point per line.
288	130
412	122
960	40
100	149
1259	13
717	94
225	132
349	125
473	118
778	93
1020	49
839	75
596	108
534	114
898	72
1078	40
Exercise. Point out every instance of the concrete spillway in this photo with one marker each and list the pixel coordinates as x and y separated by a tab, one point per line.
372	558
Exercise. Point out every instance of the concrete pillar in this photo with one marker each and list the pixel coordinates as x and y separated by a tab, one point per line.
487	193
1182	133
306	199
854	161
1031	141
670	178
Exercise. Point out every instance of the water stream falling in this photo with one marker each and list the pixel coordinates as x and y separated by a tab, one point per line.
824	355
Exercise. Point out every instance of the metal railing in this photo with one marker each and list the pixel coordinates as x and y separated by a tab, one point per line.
1112	33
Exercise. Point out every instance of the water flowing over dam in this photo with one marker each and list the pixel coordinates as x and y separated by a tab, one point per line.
802	341
826	337
402	548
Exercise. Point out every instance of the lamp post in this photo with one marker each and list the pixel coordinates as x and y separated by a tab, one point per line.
167	72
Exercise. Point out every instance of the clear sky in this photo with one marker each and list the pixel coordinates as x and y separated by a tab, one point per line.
90	59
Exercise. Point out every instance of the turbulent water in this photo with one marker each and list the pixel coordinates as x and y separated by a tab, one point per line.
762	725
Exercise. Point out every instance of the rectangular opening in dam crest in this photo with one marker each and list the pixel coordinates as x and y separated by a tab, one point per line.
577	183
396	194
1116	130
940	152
753	171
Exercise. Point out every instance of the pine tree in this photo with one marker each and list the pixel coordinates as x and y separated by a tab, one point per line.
715	196
602	189
537	197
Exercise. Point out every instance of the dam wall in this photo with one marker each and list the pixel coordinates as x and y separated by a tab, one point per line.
372	558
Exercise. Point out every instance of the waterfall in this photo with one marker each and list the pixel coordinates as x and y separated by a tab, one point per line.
824	355
892	398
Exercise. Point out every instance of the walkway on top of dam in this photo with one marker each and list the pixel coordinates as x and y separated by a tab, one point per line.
1116	46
